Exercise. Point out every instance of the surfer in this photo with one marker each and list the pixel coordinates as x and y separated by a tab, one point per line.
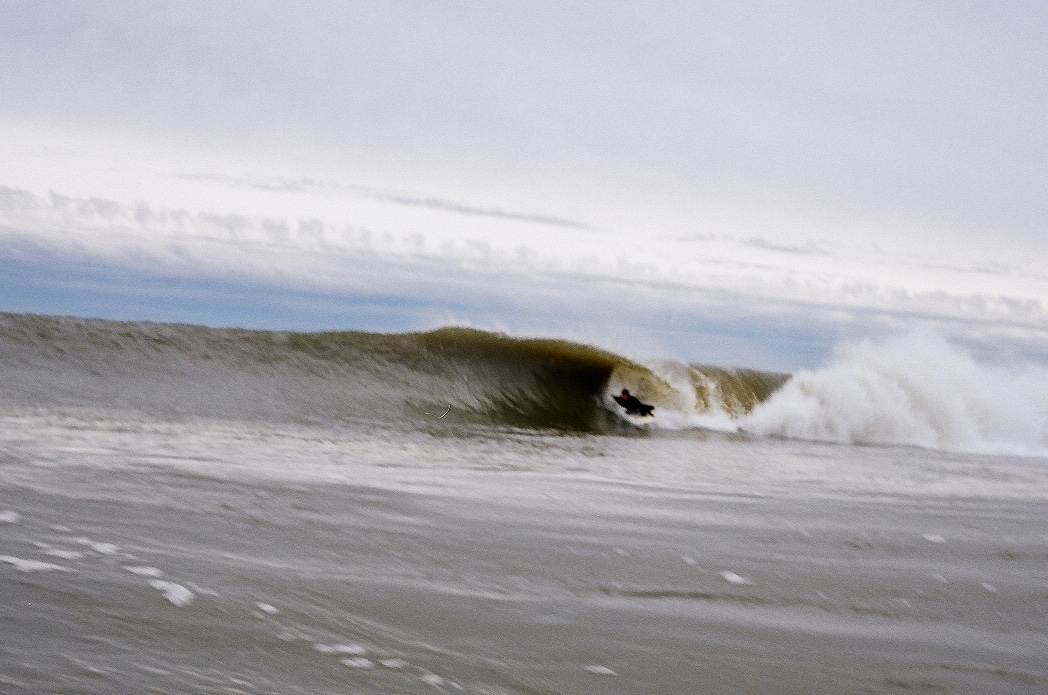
632	404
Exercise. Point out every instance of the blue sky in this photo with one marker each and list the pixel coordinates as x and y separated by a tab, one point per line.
739	183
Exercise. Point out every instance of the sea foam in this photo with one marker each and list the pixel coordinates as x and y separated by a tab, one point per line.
912	390
23	565
175	593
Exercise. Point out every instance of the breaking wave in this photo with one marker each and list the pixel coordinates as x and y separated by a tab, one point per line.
914	390
917	390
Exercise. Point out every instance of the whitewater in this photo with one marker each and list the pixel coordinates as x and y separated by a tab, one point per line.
192	509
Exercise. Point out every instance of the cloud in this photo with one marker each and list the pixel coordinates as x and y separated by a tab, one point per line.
630	305
921	115
312	185
809	248
450	206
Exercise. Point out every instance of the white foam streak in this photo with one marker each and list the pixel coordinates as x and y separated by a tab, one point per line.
23	565
913	390
175	593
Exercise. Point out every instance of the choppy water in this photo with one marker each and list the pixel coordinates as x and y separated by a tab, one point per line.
198	510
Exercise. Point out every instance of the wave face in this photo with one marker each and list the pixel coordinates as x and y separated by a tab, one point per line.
913	390
916	390
475	376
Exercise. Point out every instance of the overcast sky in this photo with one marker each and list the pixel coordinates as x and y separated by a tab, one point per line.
718	181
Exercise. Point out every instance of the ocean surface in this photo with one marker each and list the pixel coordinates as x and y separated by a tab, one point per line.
199	510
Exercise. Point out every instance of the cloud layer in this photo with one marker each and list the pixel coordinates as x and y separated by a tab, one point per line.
507	283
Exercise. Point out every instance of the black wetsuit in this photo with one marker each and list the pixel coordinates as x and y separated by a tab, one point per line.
633	405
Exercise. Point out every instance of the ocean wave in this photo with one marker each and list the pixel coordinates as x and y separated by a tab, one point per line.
442	378
914	390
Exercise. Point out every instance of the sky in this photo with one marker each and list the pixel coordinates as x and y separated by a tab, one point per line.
736	183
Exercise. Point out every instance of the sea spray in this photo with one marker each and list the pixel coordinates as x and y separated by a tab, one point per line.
916	389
